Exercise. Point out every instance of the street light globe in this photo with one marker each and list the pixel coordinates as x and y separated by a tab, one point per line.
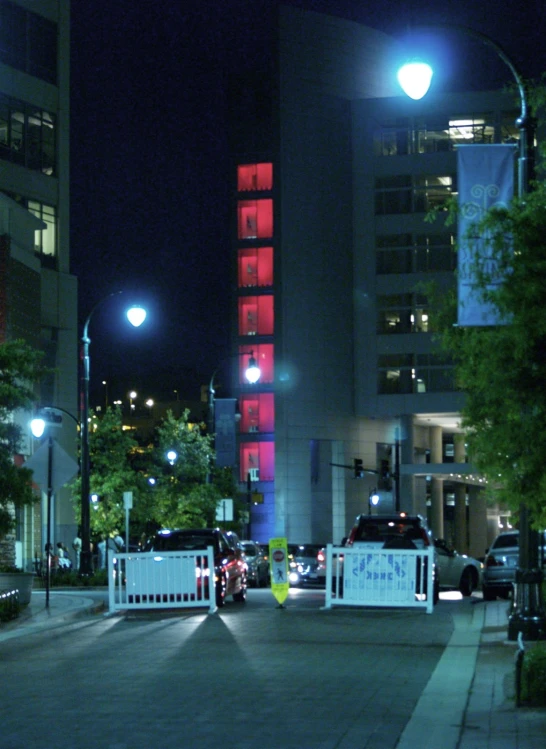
136	315
253	372
414	77
37	427
172	455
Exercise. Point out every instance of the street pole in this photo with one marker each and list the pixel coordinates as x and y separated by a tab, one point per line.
528	616
49	502
85	558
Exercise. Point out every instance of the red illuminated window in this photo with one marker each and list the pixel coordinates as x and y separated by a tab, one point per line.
264	355
255	219
254	177
256	266
257	413
257	461
256	315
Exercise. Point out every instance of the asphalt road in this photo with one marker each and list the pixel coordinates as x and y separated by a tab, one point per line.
252	675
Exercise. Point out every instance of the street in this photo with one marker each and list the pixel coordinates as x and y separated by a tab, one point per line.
252	675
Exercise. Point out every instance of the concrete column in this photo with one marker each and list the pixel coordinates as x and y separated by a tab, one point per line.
461	530
407	484
437	485
477	512
437	508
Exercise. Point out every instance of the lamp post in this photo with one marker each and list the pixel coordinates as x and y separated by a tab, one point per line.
252	374
45	419
528	616
136	316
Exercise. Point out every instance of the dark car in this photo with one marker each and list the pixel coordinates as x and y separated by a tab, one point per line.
230	571
257	563
305	566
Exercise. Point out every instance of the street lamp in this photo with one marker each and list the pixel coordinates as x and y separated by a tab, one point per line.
252	374
528	616
46	419
136	316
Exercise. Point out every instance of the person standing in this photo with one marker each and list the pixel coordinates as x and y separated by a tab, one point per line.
77	546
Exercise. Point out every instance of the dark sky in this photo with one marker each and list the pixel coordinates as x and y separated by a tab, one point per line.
150	165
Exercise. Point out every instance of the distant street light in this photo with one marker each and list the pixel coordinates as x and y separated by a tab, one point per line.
136	316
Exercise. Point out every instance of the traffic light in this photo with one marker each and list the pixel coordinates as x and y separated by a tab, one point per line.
359	468
385	474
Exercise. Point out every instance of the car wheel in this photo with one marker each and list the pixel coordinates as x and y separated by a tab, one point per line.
221	592
436	592
469	582
488	593
240	596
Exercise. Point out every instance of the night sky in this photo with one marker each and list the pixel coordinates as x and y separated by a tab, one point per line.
150	162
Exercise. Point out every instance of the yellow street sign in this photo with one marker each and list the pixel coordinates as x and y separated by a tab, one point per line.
278	562
257	498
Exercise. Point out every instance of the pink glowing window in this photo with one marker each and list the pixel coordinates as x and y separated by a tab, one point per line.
257	461
256	266
257	413
256	315
254	177
254	219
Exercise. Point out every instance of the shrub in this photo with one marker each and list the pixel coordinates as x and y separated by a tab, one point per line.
533	682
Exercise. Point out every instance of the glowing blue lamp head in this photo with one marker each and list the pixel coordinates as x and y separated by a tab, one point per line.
415	77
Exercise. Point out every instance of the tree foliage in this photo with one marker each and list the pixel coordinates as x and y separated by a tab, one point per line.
173	494
111	472
502	369
20	369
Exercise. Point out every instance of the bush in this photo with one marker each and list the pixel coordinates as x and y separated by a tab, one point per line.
533	681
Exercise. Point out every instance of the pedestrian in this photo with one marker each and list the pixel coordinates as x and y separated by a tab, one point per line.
77	546
101	547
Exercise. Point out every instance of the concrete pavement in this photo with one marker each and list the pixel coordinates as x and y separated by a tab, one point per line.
468	702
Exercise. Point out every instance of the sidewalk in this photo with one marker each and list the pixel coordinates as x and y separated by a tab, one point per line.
64	606
468	702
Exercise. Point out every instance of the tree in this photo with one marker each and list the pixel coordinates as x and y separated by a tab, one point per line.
111	472
20	368
182	498
502	368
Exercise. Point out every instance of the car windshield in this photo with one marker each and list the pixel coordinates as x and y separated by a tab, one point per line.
250	549
504	542
377	529
183	542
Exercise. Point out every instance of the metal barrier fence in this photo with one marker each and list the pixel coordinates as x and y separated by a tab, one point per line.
155	580
360	576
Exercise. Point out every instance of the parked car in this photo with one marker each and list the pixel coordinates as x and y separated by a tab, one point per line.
396	531
456	571
306	564
230	569
257	564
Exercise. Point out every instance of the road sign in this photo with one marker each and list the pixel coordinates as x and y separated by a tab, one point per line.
278	562
224	510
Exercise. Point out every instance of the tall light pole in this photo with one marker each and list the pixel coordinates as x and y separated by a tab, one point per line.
252	374
528	616
136	316
45	419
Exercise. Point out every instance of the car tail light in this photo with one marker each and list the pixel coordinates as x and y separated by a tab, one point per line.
321	557
493	562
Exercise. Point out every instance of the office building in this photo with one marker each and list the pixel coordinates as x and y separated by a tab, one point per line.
38	295
334	172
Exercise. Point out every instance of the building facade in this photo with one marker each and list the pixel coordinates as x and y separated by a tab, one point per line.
334	173
38	295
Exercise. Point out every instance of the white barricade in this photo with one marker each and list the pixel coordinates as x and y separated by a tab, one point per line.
169	579
362	576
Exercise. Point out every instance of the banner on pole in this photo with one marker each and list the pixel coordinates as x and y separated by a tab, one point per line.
485	180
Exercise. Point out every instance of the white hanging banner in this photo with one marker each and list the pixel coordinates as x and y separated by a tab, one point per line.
485	180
